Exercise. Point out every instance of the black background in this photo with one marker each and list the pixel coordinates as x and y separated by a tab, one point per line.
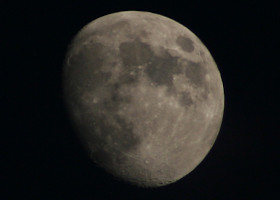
42	159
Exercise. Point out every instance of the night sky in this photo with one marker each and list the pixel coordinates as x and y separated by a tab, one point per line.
42	158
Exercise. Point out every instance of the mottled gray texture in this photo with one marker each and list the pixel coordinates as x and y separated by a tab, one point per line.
145	96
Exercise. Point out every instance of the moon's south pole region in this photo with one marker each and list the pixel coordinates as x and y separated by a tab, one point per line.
145	96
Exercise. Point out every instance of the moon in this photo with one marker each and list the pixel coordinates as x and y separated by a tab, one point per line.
145	96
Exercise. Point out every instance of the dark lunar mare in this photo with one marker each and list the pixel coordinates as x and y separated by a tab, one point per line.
160	69
185	43
195	72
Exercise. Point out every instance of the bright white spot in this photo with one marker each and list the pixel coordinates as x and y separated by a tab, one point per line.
95	100
209	114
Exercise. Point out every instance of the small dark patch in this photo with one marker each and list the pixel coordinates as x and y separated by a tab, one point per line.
186	99
135	53
118	98
195	72
102	156
129	76
161	69
185	43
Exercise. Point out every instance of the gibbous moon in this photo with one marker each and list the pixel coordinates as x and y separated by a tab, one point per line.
144	95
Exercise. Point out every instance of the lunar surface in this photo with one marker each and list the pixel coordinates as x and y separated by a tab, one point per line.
144	95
